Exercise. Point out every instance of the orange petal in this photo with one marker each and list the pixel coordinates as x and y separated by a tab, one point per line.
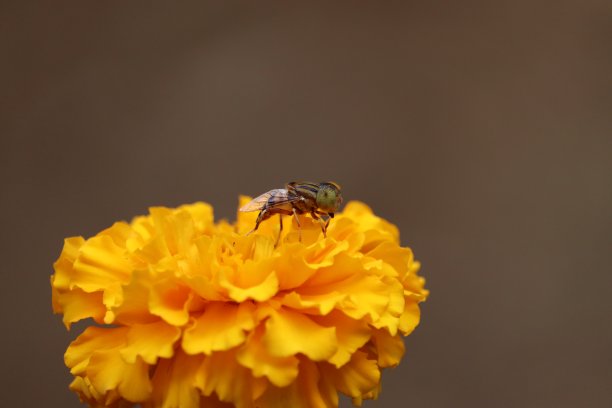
390	317
77	305
134	305
108	371
169	299
292	268
356	378
320	304
100	263
351	335
202	215
289	333
281	371
64	266
410	317
79	352
242	288
309	390
175	382
222	326
150	341
391	253
390	349
221	374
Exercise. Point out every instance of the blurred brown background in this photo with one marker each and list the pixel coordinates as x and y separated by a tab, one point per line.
482	129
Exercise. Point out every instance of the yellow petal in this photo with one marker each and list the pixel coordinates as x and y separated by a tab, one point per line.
91	340
292	268
314	304
346	230
119	232
100	263
150	341
222	326
175	227
390	349
174	382
64	266
376	228
340	266
221	374
309	390
289	333
134	305
365	294
169	299
77	305
410	318
368	296
323	254
281	371
202	215
87	393
351	335
357	377
390	317
108	371
391	253
253	281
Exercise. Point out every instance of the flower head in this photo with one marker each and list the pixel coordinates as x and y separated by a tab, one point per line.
194	313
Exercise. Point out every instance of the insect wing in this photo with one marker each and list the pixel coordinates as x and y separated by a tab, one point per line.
272	198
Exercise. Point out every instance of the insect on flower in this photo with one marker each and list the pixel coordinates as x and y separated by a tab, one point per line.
298	197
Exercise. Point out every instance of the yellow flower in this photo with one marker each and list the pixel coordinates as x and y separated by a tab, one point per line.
195	313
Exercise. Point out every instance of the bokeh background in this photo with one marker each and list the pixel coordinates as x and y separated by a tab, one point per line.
483	129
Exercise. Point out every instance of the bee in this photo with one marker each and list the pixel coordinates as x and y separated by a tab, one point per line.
297	198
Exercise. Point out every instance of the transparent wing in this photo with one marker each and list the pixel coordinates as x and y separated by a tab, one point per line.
272	198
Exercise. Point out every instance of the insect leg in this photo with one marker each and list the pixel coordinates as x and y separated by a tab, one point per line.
280	230
321	223
260	218
297	220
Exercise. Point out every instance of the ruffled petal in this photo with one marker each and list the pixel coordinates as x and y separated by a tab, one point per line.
100	264
96	355
281	371
259	292
375	228
351	335
395	307
169	299
289	333
150	342
64	266
222	326
389	349
356	378
292	260
133	307
309	390
221	374
175	382
79	352
410	317
202	216
107	371
77	305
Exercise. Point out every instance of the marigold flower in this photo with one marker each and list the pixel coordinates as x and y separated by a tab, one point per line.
193	313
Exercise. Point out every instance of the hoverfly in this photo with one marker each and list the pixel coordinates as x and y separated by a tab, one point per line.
298	197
